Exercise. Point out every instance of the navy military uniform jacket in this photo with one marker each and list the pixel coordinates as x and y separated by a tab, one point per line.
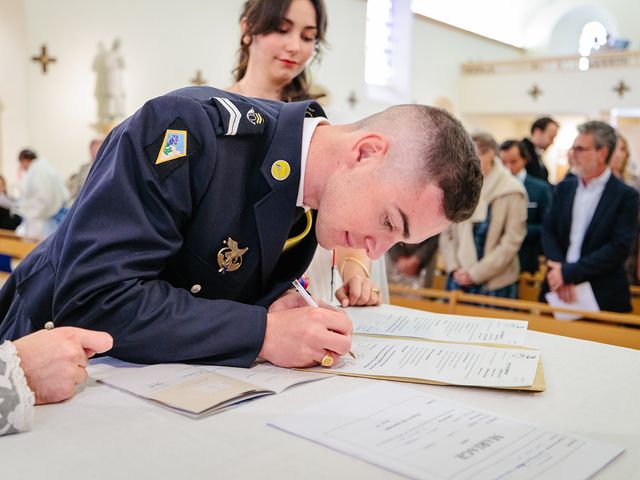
137	256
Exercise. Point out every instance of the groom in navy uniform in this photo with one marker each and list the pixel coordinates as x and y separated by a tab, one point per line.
178	243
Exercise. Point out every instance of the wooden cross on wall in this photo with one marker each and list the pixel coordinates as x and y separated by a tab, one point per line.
198	80
44	59
535	91
621	88
352	99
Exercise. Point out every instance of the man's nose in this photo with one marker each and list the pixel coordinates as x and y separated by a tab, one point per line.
376	247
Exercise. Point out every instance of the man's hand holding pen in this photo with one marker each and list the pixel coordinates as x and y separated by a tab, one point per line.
299	335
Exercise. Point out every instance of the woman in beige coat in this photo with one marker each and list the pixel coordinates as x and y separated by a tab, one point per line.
481	254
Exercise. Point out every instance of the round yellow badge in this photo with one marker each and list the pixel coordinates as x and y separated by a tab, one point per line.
280	170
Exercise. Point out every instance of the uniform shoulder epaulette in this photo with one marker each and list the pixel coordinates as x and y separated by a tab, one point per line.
238	117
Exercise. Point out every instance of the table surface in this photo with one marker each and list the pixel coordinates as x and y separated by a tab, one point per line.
592	390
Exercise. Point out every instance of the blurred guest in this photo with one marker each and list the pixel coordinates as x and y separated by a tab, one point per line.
8	220
543	133
481	254
43	197
513	157
619	164
620	168
414	262
591	224
76	181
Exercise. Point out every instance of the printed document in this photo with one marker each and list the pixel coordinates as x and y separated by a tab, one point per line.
439	362
391	320
420	436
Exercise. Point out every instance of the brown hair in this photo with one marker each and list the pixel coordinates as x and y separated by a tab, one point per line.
439	149
265	16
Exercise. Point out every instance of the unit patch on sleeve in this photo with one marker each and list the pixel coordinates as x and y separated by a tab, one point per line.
174	146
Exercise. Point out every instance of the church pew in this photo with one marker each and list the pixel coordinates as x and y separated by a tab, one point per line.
15	247
605	327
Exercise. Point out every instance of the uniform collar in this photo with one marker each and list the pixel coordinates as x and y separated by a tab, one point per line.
310	125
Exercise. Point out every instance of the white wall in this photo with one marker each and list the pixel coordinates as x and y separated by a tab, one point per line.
164	43
438	52
588	92
14	125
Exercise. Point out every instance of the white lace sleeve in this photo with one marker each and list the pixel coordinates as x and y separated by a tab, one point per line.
16	398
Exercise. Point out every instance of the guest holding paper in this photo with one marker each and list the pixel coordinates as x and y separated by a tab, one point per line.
591	224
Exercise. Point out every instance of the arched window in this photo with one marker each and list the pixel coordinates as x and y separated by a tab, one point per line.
593	36
388	50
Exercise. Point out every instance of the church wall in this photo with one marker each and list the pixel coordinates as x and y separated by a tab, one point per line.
438	52
14	124
163	44
589	92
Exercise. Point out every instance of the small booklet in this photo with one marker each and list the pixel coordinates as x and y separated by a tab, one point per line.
196	390
395	343
420	436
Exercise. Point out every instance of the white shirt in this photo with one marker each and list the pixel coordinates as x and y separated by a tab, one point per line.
521	175
308	128
584	205
43	194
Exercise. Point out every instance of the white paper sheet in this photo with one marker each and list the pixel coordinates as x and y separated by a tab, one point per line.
456	364
585	300
423	437
406	322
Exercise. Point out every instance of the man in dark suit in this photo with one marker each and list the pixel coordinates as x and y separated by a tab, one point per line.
513	157
591	223
192	225
543	132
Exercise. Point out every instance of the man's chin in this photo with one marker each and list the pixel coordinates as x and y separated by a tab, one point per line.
324	242
326	245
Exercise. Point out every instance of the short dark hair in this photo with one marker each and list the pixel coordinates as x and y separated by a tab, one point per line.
542	123
604	135
437	139
27	154
509	144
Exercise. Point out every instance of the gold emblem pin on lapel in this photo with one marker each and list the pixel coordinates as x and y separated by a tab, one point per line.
280	170
230	257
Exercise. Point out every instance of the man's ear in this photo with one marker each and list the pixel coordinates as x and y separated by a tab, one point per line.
370	146
602	155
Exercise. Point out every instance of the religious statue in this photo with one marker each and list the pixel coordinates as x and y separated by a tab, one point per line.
109	91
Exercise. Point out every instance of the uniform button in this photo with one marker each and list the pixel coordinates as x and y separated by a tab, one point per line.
49	325
196	288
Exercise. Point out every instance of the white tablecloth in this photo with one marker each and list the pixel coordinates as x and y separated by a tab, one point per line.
592	390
